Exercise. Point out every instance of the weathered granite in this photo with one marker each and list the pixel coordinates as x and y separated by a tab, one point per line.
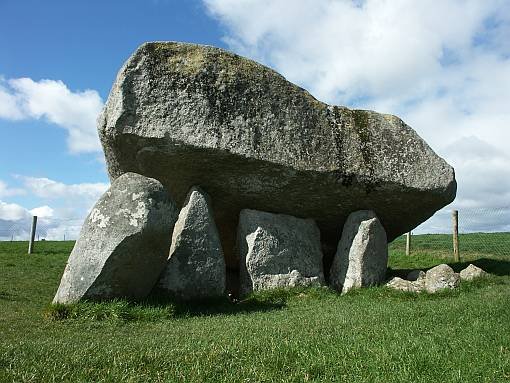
362	255
472	272
278	250
123	244
415	282
188	114
400	284
441	277
195	267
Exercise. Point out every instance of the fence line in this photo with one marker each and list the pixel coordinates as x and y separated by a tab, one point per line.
469	231
470	220
47	229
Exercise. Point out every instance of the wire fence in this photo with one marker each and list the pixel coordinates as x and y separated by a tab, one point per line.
471	220
481	230
50	229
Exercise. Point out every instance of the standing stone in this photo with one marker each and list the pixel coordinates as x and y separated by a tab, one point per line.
278	250
123	244
472	272
195	267
441	277
362	255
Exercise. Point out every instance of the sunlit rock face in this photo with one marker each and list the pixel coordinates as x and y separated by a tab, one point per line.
278	251
361	258
123	244
188	114
195	268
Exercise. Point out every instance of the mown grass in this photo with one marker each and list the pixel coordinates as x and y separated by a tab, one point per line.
369	335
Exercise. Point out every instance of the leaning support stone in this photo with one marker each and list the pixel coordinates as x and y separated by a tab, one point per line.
362	255
195	268
123	244
278	250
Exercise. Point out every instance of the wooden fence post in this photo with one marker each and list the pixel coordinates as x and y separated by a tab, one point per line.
32	235
408	243
455	221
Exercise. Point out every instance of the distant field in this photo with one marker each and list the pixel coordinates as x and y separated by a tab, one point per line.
483	244
370	335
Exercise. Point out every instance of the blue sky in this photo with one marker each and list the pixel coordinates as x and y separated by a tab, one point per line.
449	80
83	44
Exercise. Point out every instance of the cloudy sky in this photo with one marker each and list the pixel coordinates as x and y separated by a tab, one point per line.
443	66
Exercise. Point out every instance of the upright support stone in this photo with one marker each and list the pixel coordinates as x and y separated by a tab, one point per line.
278	250
362	255
123	244
195	268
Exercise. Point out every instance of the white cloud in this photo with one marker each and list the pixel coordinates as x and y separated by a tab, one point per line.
343	50
443	66
16	221
42	212
24	98
9	108
13	212
82	193
62	216
6	191
483	174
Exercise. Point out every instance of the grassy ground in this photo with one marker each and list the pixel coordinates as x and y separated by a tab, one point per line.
370	335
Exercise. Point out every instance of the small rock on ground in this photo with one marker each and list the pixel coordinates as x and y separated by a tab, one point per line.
441	277
472	272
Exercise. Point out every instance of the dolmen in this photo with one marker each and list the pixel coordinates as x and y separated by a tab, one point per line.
255	178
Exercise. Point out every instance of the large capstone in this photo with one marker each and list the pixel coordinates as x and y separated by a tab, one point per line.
195	267
278	250
189	115
362	255
123	244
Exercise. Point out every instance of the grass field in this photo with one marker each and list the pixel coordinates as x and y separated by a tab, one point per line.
370	335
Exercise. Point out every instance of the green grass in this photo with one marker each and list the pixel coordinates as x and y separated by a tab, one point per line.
476	244
369	335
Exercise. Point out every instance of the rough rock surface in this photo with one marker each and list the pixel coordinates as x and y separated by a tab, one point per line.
187	114
472	272
278	250
195	267
441	277
362	255
415	282
405	285
123	244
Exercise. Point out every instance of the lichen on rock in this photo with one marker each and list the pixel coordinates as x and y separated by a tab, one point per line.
123	244
189	114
